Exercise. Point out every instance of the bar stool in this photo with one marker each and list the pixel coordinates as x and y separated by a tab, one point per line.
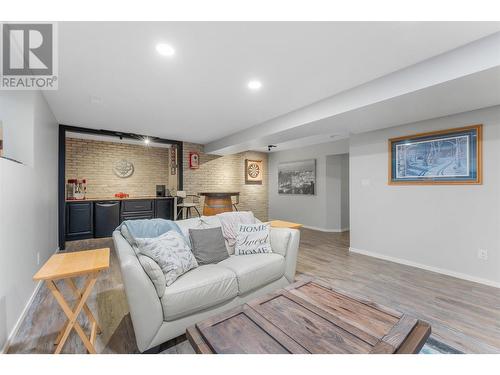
187	205
236	201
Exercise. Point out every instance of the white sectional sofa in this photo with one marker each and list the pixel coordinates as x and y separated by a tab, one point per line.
160	315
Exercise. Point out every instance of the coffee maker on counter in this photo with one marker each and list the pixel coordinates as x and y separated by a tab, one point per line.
76	189
162	191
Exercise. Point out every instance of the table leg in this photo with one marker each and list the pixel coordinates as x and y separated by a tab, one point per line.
73	314
59	335
78	294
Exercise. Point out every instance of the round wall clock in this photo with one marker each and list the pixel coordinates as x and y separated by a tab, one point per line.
123	168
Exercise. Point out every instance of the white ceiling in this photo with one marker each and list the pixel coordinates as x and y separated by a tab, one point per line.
459	80
200	94
460	95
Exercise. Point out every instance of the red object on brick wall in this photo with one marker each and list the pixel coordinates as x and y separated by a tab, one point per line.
194	160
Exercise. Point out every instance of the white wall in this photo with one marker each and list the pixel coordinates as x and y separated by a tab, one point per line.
28	200
18	134
308	210
437	227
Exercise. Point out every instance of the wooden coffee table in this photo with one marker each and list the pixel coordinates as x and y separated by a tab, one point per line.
309	317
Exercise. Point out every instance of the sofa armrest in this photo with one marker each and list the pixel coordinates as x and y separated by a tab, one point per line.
292	253
145	307
286	241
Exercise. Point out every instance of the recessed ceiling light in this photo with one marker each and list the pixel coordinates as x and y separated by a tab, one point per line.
254	84
165	49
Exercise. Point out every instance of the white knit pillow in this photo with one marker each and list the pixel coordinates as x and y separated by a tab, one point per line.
252	239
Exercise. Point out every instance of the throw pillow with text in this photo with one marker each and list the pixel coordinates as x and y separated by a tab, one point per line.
252	239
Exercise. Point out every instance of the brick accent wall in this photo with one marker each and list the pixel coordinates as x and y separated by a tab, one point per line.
227	173
94	160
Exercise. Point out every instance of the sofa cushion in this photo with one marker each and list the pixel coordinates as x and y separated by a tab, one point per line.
171	252
229	222
208	245
255	270
198	289
211	221
203	222
252	239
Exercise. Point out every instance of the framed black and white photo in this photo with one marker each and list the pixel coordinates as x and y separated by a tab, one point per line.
297	177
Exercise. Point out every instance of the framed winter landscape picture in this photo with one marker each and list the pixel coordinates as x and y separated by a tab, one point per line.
452	156
297	177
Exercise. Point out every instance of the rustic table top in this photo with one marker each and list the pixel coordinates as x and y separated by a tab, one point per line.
309	317
64	265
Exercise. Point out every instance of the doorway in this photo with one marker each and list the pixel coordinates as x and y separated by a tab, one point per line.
337	188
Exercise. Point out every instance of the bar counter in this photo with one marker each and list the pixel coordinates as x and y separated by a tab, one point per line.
93	199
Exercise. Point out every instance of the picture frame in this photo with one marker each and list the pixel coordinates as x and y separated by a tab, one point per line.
442	157
173	160
297	177
253	172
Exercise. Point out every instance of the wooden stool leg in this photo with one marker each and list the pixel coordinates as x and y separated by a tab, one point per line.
78	294
73	314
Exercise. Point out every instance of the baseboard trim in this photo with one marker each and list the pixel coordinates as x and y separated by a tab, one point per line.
326	230
16	327
443	271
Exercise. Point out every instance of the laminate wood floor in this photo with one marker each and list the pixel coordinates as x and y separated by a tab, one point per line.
463	315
